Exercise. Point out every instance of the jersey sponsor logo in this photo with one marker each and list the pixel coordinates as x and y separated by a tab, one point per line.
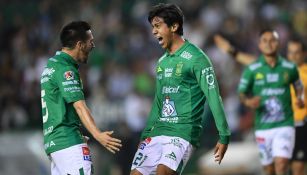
260	140
170	90
207	70
72	89
259	76
172	156
176	142
168	109
186	55
86	154
179	69
210	81
159	77
48	130
48	71
273	111
272	91
159	69
69	75
73	82
144	143
168	72
49	144
272	78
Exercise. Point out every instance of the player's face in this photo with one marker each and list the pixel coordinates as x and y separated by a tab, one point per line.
86	47
295	53
268	43
162	32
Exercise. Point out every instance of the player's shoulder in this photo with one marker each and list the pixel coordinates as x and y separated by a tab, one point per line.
255	65
287	64
193	53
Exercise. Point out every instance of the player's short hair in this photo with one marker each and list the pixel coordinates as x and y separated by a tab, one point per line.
297	39
170	13
73	32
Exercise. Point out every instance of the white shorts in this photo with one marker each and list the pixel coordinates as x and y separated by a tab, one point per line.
74	160
174	152
276	142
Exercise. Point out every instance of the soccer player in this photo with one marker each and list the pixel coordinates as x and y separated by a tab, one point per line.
185	81
64	107
295	53
265	86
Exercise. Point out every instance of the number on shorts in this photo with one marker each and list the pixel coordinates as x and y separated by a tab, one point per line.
139	160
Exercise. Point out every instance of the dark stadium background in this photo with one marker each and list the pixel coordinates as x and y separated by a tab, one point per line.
119	78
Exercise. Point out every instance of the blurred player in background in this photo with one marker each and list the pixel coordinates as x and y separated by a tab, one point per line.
296	52
185	81
64	107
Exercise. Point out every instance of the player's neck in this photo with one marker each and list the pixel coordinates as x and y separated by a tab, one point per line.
70	52
271	59
177	42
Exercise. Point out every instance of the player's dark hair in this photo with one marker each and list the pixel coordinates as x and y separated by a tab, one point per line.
297	39
170	13
266	30
73	32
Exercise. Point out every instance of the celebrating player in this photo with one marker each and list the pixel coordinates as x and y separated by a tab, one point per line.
185	81
64	108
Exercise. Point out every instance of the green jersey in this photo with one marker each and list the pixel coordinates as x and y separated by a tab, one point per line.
60	87
185	80
272	84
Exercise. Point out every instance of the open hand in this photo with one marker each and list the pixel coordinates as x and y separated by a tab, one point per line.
219	152
110	143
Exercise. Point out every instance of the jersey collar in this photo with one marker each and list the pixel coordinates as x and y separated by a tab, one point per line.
180	50
262	60
67	58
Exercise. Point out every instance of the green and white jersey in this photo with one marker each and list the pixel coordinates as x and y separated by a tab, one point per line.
272	84
185	80
60	87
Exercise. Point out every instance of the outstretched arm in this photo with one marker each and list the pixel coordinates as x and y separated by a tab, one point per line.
104	138
226	47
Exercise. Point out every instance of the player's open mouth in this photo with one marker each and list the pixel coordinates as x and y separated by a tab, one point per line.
160	39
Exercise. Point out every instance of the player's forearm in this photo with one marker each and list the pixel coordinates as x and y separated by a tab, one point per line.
86	118
299	90
217	109
245	58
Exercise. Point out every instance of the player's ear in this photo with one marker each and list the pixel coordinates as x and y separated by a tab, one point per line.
174	27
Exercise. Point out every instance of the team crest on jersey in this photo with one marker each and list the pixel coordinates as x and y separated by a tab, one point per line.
179	69
86	154
69	75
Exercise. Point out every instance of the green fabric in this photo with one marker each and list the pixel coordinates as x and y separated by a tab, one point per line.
185	80
81	171
272	84
61	86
